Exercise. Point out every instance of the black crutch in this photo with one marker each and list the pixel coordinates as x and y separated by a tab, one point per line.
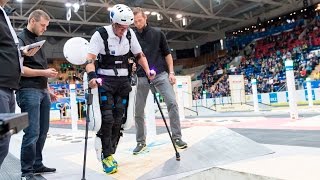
153	90
89	103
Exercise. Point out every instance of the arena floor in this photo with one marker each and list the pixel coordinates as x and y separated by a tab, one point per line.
265	145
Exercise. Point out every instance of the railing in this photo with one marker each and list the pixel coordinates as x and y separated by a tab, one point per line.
163	105
195	111
283	87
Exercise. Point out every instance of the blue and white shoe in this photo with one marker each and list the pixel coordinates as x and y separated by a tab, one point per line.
108	165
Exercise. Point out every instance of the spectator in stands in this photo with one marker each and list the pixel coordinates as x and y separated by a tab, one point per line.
10	71
63	110
155	47
33	96
303	72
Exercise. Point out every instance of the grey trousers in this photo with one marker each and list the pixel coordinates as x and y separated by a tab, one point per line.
7	105
164	87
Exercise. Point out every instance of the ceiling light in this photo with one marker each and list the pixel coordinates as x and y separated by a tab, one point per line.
184	21
179	16
159	17
153	13
82	2
68	4
68	15
76	7
19	1
147	12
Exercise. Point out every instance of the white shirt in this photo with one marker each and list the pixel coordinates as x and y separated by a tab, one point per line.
117	47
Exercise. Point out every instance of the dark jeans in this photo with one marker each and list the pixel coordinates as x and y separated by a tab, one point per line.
37	103
7	105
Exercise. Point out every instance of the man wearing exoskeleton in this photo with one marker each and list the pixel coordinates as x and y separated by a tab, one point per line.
112	45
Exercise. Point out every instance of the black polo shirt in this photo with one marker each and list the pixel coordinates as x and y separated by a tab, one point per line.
38	61
154	45
9	58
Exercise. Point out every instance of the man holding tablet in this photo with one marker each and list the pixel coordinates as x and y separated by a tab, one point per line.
33	97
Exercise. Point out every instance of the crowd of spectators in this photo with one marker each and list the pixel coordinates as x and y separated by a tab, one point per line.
68	73
264	60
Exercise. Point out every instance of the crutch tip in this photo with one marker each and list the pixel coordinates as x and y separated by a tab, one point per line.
177	156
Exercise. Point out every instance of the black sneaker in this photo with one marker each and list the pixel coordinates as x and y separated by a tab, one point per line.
28	177
180	144
140	147
44	169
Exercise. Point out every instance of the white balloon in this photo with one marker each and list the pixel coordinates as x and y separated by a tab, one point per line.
75	50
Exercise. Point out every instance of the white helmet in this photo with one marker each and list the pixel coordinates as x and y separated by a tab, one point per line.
121	14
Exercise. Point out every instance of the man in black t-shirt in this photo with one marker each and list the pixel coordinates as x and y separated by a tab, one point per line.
154	45
34	97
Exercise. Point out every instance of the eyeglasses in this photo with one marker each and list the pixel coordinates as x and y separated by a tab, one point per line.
121	27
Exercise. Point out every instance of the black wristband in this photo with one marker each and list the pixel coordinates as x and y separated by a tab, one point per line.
89	62
92	75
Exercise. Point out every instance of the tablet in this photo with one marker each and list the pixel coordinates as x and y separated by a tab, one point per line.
33	45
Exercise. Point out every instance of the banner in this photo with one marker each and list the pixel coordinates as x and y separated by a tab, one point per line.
186	87
236	83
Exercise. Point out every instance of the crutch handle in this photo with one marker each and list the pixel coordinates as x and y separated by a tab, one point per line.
152	72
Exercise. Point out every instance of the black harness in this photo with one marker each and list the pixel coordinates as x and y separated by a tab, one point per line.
109	61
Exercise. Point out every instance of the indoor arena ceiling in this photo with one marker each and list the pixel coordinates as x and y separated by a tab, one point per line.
204	20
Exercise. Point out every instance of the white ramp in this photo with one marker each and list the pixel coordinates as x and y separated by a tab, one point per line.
223	146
